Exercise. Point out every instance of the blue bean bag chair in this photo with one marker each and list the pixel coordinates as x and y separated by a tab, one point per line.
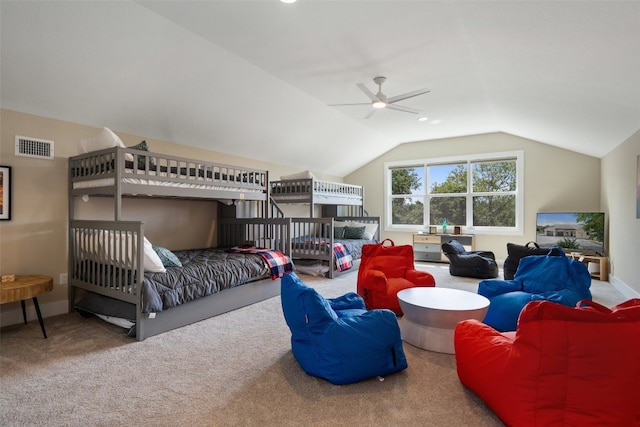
338	339
553	277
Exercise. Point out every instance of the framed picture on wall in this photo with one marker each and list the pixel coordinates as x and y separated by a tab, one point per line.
5	192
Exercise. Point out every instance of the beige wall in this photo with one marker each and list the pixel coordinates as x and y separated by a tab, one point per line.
35	240
620	184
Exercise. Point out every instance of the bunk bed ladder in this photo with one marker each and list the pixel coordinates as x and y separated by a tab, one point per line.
275	211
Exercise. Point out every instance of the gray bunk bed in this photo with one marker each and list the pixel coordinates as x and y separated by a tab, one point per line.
108	259
315	240
314	192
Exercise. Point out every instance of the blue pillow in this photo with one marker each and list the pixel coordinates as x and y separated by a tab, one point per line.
168	258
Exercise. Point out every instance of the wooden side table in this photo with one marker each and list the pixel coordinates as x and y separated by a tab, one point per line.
602	270
25	287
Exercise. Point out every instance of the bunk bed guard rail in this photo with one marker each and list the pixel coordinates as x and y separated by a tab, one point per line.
106	257
273	233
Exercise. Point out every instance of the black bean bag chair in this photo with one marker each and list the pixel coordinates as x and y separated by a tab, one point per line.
479	264
516	252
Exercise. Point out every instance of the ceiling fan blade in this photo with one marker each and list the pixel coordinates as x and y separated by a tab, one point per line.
370	113
340	105
407	95
367	92
401	108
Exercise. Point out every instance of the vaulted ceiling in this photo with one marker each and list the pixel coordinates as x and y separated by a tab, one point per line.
255	78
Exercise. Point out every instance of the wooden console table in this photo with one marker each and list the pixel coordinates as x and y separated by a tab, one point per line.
23	288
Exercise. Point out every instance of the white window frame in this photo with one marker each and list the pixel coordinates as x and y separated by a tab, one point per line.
519	192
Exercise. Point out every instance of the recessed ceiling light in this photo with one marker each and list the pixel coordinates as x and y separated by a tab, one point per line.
288	1
423	119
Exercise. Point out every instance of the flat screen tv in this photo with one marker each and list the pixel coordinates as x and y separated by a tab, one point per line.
581	232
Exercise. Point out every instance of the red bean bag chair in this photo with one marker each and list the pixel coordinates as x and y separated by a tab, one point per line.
385	270
562	366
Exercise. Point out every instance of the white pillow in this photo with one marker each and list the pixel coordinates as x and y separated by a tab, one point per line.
300	175
105	139
152	261
111	243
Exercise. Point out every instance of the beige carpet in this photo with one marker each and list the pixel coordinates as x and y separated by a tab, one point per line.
236	369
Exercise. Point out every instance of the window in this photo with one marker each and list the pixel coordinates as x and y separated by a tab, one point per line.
479	193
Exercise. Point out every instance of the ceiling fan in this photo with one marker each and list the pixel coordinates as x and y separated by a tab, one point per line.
380	100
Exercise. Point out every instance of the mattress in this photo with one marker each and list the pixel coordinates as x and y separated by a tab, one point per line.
317	197
203	272
107	182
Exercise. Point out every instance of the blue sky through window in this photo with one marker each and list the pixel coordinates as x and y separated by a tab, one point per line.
437	174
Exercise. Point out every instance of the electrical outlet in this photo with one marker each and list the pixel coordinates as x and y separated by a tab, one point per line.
64	278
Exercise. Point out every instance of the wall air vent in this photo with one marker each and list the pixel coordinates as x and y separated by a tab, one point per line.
34	147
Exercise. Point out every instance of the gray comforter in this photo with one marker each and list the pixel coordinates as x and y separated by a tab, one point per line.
203	272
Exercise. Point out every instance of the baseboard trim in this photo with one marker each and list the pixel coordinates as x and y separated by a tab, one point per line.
13	316
623	288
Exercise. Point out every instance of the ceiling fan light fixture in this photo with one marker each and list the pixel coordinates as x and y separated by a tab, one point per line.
379	104
380	101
